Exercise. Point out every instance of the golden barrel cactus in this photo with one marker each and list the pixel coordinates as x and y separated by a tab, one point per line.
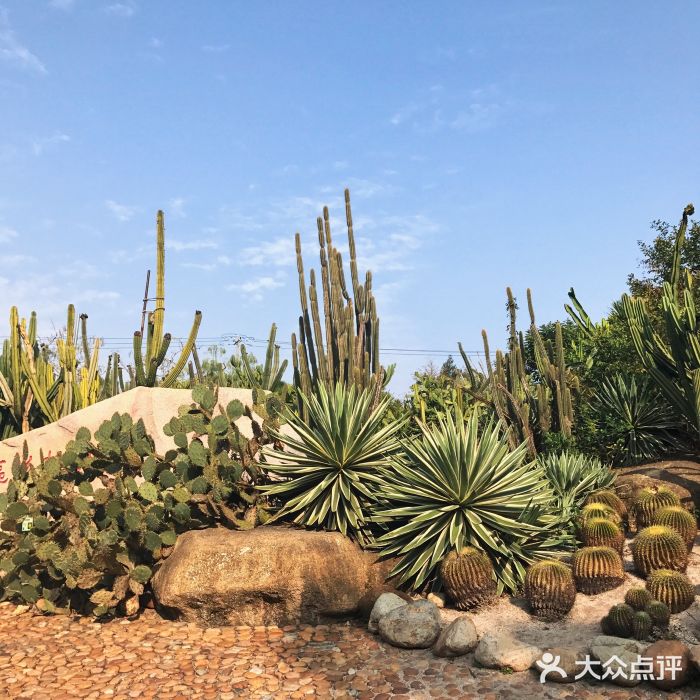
658	612
649	501
597	569
598	510
672	588
641	625
468	577
638	598
659	547
601	532
620	619
610	499
550	589
680	520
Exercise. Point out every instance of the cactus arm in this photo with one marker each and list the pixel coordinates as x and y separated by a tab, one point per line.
84	338
138	360
157	361
177	368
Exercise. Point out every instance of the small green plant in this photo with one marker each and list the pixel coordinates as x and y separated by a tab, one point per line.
334	462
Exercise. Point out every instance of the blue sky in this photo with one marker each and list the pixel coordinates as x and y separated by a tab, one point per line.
485	145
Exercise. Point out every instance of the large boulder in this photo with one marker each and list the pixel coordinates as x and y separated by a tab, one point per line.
368	601
265	576
383	605
155	406
672	664
411	626
501	650
629	485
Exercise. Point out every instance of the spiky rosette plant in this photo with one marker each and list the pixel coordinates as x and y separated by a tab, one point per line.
455	487
649	500
468	578
680	520
659	547
601	532
610	499
641	625
672	588
597	569
334	463
658	612
550	589
620	620
638	598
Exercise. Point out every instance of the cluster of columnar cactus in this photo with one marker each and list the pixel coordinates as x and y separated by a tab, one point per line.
550	589
468	577
78	531
350	353
597	569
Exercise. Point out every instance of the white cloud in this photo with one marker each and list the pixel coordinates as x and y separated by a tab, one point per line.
121	9
155	43
17	259
176	207
123	212
40	145
278	253
13	51
194	244
215	48
254	289
7	234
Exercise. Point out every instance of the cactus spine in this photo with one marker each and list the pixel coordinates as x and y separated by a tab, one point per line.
672	588
680	520
597	569
468	577
158	343
550	589
350	351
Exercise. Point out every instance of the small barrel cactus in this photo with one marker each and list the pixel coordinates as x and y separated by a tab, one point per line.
550	589
680	520
659	547
598	510
597	569
620	619
610	499
641	625
601	532
672	588
658	612
468	577
649	501
638	598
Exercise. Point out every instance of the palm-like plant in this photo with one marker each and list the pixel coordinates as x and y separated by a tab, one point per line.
454	487
643	421
333	464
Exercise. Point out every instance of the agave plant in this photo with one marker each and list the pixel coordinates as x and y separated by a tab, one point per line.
333	464
454	487
572	477
642	419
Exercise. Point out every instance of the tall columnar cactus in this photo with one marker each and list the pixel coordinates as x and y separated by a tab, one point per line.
468	577
672	588
679	519
597	569
349	352
530	409
550	589
659	547
671	360
272	371
157	343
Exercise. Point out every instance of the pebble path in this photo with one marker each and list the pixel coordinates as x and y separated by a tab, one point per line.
56	658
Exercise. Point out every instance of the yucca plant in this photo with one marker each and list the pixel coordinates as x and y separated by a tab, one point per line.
333	465
646	425
454	487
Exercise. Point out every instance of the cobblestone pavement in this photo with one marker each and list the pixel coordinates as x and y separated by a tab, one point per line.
56	658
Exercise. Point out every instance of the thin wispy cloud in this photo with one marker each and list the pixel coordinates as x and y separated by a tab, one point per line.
121	9
13	51
176	207
155	43
7	234
122	212
40	145
277	253
255	289
195	244
215	48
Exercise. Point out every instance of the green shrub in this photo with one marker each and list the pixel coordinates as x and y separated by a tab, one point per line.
79	532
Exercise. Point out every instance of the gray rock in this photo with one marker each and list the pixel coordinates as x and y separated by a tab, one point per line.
565	658
384	604
500	650
625	653
412	626
457	639
695	655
